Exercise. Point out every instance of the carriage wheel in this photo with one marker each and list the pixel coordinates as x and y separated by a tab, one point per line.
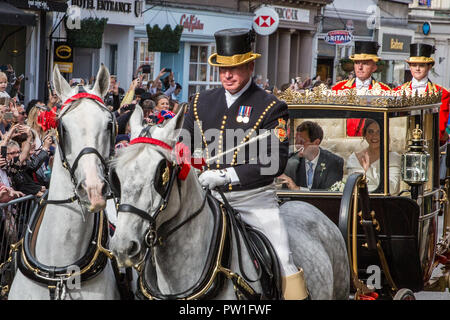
404	294
355	199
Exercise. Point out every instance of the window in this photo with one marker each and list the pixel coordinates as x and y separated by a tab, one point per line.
146	57
202	76
113	59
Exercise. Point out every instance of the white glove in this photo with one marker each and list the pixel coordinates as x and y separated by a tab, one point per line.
214	178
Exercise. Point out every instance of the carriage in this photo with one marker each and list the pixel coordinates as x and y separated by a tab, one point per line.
391	229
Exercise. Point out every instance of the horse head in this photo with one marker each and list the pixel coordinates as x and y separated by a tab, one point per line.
86	133
146	173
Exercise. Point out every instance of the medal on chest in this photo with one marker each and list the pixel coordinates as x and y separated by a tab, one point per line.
244	114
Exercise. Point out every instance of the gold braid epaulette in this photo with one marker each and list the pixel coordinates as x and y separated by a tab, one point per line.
384	84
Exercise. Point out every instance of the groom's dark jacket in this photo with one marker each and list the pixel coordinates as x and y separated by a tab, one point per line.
251	163
329	169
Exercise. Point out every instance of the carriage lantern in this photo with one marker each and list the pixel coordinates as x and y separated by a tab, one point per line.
415	162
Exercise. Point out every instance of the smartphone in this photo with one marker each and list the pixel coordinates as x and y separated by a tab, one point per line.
129	107
21	77
5	101
4	151
168	70
9	116
146	68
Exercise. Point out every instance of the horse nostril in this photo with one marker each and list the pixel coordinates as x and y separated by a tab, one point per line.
133	249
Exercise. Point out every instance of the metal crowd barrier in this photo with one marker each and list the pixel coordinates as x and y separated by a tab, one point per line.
14	217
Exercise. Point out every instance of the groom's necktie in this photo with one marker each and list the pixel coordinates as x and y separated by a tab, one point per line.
309	174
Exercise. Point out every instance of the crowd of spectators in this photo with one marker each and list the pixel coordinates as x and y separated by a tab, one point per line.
28	146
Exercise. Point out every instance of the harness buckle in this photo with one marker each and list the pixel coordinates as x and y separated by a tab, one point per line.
150	238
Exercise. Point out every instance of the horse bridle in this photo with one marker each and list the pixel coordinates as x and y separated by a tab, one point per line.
112	127
153	237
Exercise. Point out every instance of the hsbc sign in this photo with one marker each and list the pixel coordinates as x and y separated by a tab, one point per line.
266	21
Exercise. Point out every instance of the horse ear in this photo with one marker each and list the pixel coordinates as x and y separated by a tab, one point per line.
101	85
136	122
175	123
62	88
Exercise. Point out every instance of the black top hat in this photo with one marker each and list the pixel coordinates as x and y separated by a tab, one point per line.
421	53
366	50
234	47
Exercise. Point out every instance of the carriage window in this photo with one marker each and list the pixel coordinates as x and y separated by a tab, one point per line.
323	154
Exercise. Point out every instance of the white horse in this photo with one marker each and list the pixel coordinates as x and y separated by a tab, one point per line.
186	227
68	230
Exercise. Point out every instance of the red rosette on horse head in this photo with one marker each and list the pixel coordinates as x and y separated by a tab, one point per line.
48	119
185	161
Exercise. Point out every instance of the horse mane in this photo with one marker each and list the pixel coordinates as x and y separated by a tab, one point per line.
131	152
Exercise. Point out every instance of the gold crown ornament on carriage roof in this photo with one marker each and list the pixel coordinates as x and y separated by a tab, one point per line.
375	97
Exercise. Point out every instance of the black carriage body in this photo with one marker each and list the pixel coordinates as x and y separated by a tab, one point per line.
408	228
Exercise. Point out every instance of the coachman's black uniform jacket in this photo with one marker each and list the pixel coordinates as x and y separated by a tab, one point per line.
209	109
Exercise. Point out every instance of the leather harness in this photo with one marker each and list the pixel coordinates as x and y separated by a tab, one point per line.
96	256
219	256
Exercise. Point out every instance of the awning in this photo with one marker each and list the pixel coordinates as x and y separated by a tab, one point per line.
10	15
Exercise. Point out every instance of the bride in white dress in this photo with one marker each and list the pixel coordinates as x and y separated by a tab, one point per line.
368	160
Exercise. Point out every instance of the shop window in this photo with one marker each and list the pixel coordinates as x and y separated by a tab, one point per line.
146	57
201	75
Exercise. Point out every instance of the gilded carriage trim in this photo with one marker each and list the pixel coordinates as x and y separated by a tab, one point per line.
375	97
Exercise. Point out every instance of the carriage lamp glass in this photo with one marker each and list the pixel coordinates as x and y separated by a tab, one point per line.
415	160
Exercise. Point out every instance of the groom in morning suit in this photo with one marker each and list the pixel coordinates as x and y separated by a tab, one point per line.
313	167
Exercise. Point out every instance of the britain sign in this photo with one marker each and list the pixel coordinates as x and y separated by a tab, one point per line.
339	37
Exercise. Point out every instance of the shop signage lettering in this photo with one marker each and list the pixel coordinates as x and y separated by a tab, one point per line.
44	5
395	43
191	22
339	37
292	14
105	5
38	5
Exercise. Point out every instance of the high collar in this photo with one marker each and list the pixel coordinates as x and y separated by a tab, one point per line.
231	98
363	84
419	83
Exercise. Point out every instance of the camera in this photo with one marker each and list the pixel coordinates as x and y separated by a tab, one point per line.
129	107
167	70
146	68
9	116
4	151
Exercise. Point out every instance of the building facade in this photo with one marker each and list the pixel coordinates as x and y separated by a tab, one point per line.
289	52
117	47
200	22
383	21
25	27
436	14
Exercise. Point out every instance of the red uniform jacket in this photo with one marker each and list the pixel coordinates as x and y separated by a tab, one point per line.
443	110
355	126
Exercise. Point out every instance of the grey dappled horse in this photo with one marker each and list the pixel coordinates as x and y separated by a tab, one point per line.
317	244
65	231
